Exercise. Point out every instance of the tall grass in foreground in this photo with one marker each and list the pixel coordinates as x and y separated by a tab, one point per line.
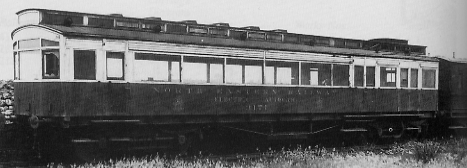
429	154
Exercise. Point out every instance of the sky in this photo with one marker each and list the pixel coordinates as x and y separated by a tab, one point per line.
441	25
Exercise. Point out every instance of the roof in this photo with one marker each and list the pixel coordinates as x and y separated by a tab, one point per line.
96	32
455	60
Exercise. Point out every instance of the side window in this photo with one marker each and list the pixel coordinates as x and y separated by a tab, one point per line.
370	76
269	75
85	64
316	74
340	75
233	72
195	70
282	73
51	64
156	67
115	64
428	78
30	65
174	70
358	75
240	71
202	70
404	77
413	78
388	76
216	73
254	73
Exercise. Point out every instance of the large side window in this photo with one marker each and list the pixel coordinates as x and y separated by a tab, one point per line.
340	75
413	78
51	64
85	64
388	76
195	70
358	75
202	70
115	64
238	71
233	72
156	67
370	76
253	73
404	77
282	73
316	74
428	78
216	73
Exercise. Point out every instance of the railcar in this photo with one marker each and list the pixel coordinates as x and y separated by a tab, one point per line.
452	97
98	80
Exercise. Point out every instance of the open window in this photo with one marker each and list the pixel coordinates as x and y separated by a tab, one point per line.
388	76
157	67
51	64
115	65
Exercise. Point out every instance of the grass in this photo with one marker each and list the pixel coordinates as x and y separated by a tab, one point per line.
428	154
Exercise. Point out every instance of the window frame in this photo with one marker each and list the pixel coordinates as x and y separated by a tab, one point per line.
107	65
435	77
333	75
95	63
411	78
208	61
360	76
169	68
407	77
374	67
393	71
243	62
293	81
44	64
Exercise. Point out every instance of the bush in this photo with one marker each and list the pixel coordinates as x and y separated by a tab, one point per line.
427	151
428	154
